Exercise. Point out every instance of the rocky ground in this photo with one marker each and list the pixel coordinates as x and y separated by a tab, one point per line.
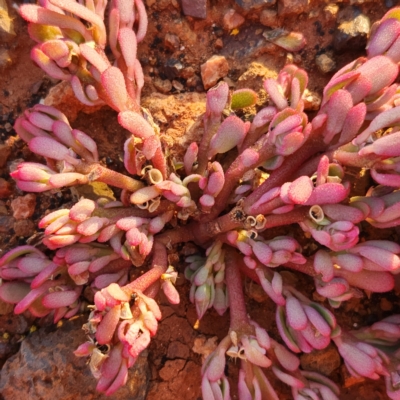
36	357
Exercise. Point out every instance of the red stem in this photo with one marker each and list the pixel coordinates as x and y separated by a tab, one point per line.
284	173
159	266
238	313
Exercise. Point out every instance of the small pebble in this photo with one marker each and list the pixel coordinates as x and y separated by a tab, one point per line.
213	70
325	63
162	85
23	206
232	20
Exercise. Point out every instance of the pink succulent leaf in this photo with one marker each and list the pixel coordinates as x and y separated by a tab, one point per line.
82	210
317	321
94	57
352	124
285	358
284	122
383	100
343	77
334	288
92	225
98	29
284	331
385	119
273	288
85	349
99	263
254	353
287	378
63	298
318	342
386	146
217	97
43	276
25	134
135	124
371	77
114	85
19	251
32	265
57	241
349	262
289	143
386	179
143	22
78	268
343	212
14	292
62	222
328	193
299	191
104	280
120	380
108	324
361	362
262	251
391	387
170	292
87	142
41	120
295	314
34	295
375	281
150	146
49	148
80	92
383	37
48	65
190	157
128	47
379	253
276	93
63	132
67	179
57	50
230	134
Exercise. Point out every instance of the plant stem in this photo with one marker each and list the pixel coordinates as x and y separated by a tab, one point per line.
236	171
96	172
159	265
238	313
286	171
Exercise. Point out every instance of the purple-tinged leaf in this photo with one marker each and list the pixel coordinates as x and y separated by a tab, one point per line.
295	314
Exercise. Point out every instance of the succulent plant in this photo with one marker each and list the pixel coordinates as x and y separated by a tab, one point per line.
286	169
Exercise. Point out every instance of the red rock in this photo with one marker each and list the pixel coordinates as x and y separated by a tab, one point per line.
171	41
197	9
286	7
213	70
23	206
219	44
232	20
324	361
269	18
5	189
46	368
